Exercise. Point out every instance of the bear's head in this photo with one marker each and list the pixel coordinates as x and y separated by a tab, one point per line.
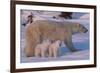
82	28
79	28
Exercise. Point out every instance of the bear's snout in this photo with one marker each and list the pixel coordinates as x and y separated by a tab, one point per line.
85	31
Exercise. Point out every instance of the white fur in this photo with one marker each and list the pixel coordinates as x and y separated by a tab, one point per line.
53	48
41	49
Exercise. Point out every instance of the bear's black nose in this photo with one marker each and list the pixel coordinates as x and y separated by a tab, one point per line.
85	31
24	24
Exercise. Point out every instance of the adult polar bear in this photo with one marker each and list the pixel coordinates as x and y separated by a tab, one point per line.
52	30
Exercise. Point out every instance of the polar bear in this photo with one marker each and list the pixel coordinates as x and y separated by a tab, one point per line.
52	30
41	49
53	48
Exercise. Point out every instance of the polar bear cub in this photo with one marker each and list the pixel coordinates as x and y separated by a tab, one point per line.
41	49
53	48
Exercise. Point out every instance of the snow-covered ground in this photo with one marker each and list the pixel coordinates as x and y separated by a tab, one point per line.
80	55
81	42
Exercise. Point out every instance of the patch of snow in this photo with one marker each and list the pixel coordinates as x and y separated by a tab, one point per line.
86	16
80	55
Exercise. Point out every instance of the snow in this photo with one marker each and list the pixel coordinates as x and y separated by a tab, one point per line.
80	55
86	16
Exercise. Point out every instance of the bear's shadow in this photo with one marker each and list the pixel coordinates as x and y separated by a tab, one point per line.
63	51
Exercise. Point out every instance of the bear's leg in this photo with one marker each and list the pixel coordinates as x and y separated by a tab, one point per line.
50	52
28	51
31	40
36	52
30	48
69	44
55	52
42	52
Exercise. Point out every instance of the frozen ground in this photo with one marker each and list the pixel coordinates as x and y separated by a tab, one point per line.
80	55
